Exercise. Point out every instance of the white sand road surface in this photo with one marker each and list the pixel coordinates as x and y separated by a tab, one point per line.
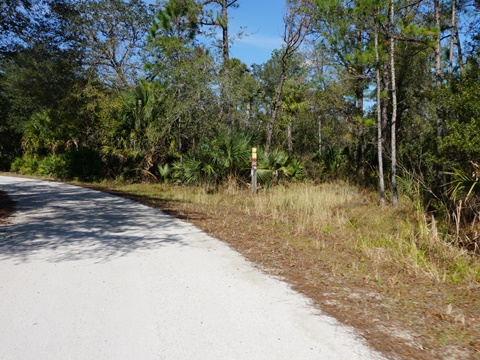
87	275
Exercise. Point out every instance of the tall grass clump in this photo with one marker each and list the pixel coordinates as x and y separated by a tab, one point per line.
409	238
306	208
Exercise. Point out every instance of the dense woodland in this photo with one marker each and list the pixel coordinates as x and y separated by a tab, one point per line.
385	94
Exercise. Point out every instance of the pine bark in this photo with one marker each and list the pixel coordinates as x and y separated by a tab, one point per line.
453	34
359	94
385	102
394	104
438	84
226	59
361	133
289	137
459	52
320	135
222	22
381	180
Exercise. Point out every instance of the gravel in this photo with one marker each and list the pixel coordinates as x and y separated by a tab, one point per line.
87	275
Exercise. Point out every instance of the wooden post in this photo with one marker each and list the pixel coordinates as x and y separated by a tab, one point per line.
254	170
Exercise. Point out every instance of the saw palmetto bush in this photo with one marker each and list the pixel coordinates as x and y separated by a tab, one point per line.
464	184
278	165
464	190
228	157
334	162
224	157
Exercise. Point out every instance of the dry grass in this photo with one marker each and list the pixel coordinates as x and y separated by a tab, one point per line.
386	271
397	237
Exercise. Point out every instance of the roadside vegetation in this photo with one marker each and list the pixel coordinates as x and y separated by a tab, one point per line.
390	272
367	125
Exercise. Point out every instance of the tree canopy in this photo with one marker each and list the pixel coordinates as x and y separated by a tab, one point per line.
359	90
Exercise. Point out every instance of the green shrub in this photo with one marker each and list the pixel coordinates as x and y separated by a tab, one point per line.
227	156
26	165
54	166
83	164
278	165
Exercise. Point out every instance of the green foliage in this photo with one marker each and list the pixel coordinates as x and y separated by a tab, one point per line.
459	148
173	32
462	143
53	166
197	172
231	152
335	162
177	19
48	166
463	183
278	165
27	165
166	172
41	90
225	156
228	157
82	164
42	134
112	34
85	164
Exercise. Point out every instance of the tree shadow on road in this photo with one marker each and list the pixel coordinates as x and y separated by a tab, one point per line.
7	207
77	223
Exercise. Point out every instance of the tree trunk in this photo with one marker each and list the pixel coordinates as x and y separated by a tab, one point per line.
226	57
359	94
225	91
289	136
361	136
226	103
180	149
453	33
385	100
438	84
394	104
225	39
319	135
459	51
276	109
296	25
381	180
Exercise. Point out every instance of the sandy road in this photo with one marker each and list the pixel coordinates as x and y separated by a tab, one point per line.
86	275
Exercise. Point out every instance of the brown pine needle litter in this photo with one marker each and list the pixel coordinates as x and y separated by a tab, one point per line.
385	271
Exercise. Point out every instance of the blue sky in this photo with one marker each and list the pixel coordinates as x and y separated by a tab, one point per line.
263	20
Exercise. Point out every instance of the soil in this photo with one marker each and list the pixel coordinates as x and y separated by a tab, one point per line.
7	208
400	314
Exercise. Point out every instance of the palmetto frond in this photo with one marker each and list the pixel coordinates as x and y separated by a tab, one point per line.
463	182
